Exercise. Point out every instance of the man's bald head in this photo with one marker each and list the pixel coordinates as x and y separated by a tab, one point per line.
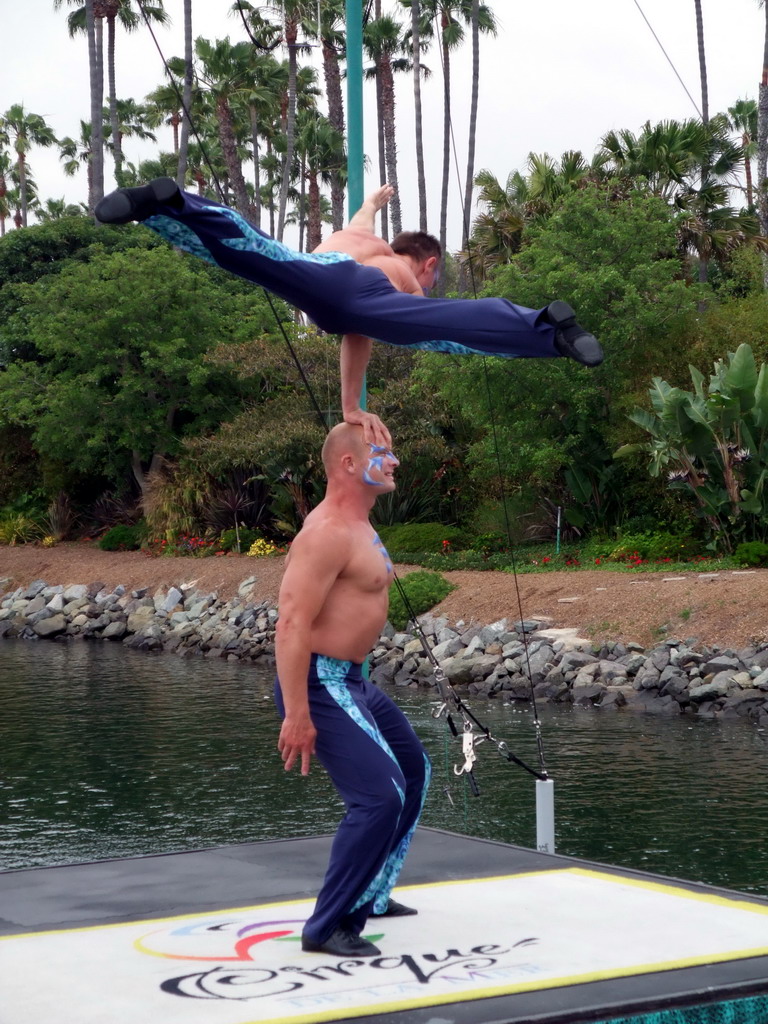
343	439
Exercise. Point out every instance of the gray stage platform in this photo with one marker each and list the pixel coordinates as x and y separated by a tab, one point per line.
503	934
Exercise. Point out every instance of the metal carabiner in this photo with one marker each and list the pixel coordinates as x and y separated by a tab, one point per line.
467	750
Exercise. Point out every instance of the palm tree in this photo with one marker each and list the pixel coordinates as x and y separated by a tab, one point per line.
226	69
113	11
702	63
497	230
189	71
762	141
94	31
55	209
450	14
481	19
132	122
323	153
24	130
5	173
383	40
742	118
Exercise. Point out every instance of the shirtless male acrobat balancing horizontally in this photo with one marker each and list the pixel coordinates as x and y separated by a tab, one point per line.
357	285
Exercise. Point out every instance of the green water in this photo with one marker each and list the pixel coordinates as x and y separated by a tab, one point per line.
110	753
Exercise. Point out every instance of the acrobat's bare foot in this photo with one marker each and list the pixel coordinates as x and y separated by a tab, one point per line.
380	197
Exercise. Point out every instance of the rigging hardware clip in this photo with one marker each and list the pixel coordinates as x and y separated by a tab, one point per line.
468	750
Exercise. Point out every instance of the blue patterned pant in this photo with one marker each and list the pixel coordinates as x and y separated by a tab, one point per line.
381	771
341	296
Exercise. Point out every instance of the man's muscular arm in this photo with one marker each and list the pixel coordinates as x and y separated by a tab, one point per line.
355	353
318	556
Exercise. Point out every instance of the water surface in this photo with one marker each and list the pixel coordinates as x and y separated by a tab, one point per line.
106	752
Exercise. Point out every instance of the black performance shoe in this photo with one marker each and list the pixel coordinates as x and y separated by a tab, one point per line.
127	204
571	339
395	909
341	943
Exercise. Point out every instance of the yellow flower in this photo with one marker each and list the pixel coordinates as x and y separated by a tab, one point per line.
261	548
49	542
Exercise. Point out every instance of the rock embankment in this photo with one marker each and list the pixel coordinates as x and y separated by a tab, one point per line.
502	660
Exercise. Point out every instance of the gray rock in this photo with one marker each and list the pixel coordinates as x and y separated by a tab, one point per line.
35	605
50	626
34	589
172	599
401	639
114	631
56	603
526	625
458	671
761	681
483	665
50	592
647	678
446	634
490	634
75	592
707	692
588	693
572	661
721	663
138	620
612	672
446	649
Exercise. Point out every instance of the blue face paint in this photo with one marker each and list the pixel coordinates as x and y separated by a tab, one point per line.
376	461
377	543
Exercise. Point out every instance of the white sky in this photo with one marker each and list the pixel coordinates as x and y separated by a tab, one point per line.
558	76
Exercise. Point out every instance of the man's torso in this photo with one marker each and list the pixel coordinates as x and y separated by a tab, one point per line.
355	609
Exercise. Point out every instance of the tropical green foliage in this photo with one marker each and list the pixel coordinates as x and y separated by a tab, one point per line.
123	538
423	589
116	376
712	443
434	537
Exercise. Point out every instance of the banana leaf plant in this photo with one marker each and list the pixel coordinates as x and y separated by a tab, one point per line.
712	442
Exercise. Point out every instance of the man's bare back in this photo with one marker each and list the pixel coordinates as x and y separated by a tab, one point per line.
359	241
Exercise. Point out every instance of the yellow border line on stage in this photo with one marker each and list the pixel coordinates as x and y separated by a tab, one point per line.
605	876
485	993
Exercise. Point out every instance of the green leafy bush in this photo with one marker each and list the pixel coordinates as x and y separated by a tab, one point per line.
752	552
19	529
423	590
123	538
655	546
228	539
432	537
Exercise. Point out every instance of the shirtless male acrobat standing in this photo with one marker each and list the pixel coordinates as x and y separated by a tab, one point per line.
324	633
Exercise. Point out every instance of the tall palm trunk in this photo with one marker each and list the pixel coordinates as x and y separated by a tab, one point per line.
470	176
762	148
291	39
703	261
382	145
421	179
183	142
21	170
253	114
96	77
390	140
117	144
333	91
446	147
231	159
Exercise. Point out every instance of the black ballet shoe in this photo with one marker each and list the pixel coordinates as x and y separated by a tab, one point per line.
127	204
395	909
341	943
571	340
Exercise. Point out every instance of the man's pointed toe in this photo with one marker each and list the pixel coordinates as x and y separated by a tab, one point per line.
395	909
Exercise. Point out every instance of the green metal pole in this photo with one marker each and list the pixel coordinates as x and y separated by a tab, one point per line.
355	134
354	105
355	188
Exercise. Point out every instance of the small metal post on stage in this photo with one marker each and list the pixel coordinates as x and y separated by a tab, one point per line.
545	815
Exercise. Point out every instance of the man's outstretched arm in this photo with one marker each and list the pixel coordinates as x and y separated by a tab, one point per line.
365	218
355	353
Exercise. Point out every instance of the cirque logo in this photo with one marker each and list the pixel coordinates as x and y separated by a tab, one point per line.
228	940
